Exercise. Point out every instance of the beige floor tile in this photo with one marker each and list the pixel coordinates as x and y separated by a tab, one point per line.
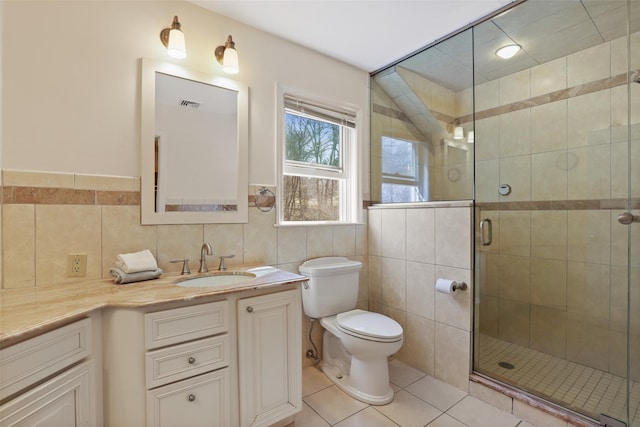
314	380
475	413
367	418
445	420
409	411
437	393
333	404
307	418
402	374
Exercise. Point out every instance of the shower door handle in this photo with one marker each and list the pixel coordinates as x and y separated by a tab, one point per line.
627	218
486	223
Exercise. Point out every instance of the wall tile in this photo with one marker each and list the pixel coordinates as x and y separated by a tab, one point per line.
18	238
319	241
589	119
490	396
453	237
65	229
588	290
375	280
535	416
549	176
489	265
549	283
419	343
487	138
516	171
420	289
452	356
549	127
225	239
515	233
374	232
488	313
487	181
260	238
122	233
37	179
589	236
514	322
589	173
393	283
420	235
487	95
515	87
109	183
393	233
548	331
292	244
515	278
179	242
587	341
549	77
344	240
549	234
515	133
589	65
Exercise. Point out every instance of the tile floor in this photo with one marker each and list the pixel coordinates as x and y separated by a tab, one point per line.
420	400
584	389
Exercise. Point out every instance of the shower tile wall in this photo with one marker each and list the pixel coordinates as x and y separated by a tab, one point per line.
555	277
409	248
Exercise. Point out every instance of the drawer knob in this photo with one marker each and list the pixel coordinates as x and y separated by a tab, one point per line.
191	397
192	360
250	309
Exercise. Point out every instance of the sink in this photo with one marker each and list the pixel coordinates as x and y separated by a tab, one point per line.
217	280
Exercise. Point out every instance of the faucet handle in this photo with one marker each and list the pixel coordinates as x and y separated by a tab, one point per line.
222	265
185	265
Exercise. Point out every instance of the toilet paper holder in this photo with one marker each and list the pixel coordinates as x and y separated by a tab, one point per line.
460	286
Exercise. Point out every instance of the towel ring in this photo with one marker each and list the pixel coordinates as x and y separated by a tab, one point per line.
265	199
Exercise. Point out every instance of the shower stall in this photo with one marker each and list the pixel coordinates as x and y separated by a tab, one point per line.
547	144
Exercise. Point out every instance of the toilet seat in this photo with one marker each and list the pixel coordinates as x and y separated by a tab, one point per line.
369	326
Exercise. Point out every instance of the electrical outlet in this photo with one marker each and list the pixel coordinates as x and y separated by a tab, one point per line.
77	265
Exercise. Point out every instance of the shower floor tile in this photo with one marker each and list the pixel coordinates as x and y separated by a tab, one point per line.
581	388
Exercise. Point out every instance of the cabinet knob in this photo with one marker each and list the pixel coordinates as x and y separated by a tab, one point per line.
192	360
250	309
191	397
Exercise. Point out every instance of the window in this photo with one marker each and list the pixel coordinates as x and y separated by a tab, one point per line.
400	171
318	164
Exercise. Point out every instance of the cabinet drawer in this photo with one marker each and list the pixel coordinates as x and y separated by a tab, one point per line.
169	327
28	362
201	401
182	361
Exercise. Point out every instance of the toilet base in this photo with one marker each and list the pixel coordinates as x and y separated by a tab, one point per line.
353	376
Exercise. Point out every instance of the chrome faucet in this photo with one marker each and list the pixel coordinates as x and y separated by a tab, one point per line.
204	251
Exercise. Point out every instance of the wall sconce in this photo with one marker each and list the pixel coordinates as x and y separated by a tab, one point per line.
458	132
173	39
471	137
228	57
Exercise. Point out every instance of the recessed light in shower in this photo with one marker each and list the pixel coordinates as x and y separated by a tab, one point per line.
508	51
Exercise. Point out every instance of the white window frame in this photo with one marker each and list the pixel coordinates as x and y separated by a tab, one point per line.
351	199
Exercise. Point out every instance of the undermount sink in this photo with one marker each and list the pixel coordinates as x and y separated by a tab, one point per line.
219	279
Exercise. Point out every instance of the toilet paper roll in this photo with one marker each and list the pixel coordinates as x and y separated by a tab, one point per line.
446	286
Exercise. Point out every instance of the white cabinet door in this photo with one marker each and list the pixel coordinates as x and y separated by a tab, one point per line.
270	357
63	401
202	401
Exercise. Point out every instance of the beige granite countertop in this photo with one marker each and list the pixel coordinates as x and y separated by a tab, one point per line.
27	312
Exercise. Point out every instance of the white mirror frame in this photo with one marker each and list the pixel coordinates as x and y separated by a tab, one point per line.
149	215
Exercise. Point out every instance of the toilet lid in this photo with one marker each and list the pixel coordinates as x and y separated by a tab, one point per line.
369	325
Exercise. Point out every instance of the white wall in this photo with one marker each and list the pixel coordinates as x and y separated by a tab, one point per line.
72	81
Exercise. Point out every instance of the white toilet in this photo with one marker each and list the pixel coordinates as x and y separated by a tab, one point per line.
356	343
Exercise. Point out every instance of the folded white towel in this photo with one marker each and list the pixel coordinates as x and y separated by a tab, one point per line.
136	262
120	277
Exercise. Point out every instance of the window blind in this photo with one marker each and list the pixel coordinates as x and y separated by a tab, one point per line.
339	117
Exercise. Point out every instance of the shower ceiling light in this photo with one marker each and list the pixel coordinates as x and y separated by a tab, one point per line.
508	51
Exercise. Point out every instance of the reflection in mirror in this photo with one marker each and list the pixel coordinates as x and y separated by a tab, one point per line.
194	147
419	108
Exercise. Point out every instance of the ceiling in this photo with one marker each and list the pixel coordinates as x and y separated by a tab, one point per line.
368	34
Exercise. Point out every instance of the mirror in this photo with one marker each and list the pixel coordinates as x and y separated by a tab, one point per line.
194	134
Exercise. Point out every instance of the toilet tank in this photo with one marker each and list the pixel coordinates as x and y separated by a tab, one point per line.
332	286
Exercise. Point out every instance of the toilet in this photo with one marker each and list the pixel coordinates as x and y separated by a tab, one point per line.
356	343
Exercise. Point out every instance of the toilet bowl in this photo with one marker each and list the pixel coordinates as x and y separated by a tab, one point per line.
355	359
356	343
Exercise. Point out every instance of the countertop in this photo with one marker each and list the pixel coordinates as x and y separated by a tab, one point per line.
27	312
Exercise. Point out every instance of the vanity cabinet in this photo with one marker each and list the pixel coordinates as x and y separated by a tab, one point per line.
270	362
187	376
50	380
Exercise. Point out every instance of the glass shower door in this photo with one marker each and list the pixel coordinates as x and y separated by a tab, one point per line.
557	149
